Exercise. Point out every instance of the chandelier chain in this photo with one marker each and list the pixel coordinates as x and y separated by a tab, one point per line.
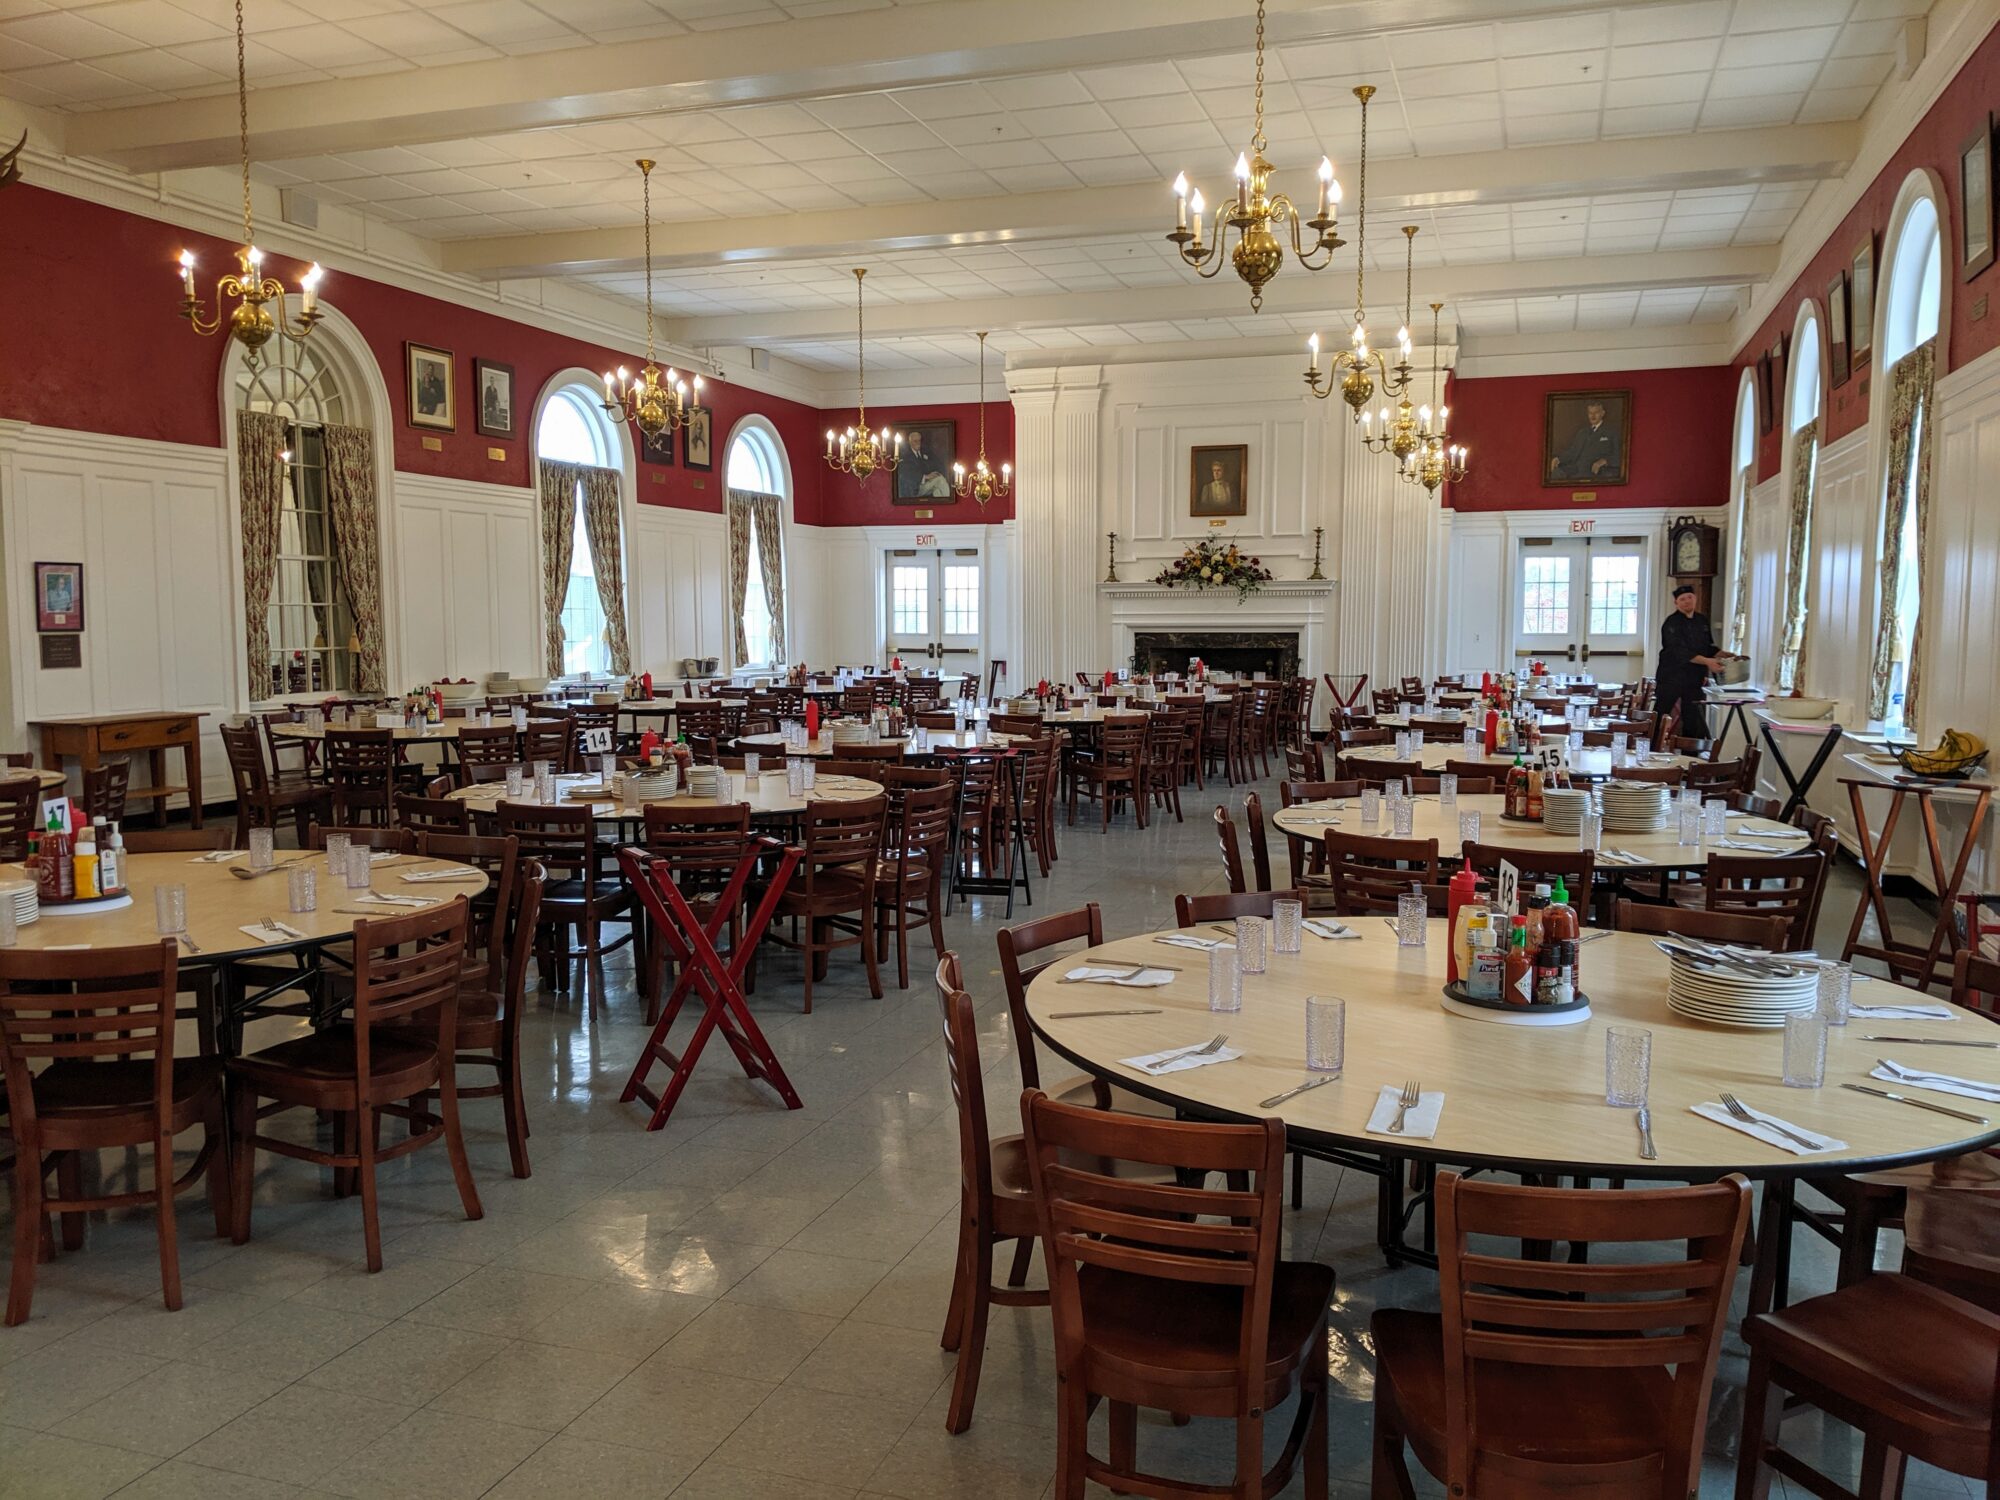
646	193
982	397
1361	226
243	119
860	362
1257	142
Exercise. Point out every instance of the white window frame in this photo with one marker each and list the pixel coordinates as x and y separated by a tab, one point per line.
613	442
764	440
1743	473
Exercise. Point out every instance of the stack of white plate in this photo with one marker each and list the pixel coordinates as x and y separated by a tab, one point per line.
703	781
852	732
1561	807
26	898
652	786
1732	997
1636	806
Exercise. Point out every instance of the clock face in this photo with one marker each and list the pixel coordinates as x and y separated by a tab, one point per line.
1687	551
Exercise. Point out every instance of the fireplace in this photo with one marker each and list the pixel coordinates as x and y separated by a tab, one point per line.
1244	652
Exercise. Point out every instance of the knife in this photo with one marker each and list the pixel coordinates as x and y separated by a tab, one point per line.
1928	1041
1646	1150
1956	1114
1310	1083
1076	1015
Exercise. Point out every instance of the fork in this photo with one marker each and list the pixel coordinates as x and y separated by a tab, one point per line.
1213	1044
1735	1107
191	945
1406	1102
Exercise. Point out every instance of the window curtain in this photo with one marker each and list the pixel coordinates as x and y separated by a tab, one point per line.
260	439
1908	483
1805	464
357	542
771	555
739	510
557	482
1739	616
601	527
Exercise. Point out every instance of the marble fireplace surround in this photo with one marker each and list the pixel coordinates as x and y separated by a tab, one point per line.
1289	607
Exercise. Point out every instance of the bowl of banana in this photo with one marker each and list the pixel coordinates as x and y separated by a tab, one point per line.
1957	754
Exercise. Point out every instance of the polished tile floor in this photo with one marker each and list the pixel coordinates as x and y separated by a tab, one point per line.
745	1304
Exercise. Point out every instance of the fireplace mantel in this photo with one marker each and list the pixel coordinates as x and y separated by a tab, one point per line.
1205	599
1287	604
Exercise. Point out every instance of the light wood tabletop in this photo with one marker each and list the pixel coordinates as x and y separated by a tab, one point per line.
935	740
444	729
1655	851
220	904
1514	1095
767	795
1591	763
46	779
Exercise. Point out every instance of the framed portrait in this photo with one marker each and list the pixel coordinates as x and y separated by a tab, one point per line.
493	384
1219	480
923	477
431	390
1861	301
1837	332
1764	411
698	439
1587	438
657	450
1975	196
58	596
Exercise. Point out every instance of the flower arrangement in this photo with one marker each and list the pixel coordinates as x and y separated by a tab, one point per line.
1216	562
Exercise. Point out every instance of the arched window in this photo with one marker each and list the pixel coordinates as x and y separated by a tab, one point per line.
574	429
1911	316
1801	473
759	483
1743	469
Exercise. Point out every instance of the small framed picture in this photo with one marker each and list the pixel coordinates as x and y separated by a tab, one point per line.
1861	301
698	439
58	596
432	391
1219	480
657	450
1975	183
493	382
1838	334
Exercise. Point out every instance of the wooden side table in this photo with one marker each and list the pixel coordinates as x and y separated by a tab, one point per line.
1925	963
87	738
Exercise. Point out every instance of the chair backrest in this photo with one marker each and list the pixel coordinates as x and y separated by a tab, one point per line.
1756	806
888	750
1015	723
840	835
1975	983
1229	905
1291	793
1787	885
404	966
492	907
1661	775
1305	762
1716	776
1739	928
1468	786
563	838
389	840
1260	849
923	827
1366	768
1369	874
700	845
104	789
441	813
1083	925
1232	852
244	748
545	739
1472	770
1121	745
937	721
176	840
19	802
1165	1234
968	1085
1575	866
488	745
1507	1317
360	758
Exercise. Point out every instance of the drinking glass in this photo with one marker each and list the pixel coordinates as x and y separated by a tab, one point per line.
1403	817
1618	741
753	765
1448	789
1805	1050
1628	1065
1225	980
262	842
811	772
1689	796
795	776
1642	748
607	767
1575	741
542	768
1470	739
1393	788
1688	826
958	720
336	852
10	921
517	780
1371	804
1590	830
1836	990
1468	826
545	786
360	867
1287	923
170	909
520	717
302	885
1252	938
1715	817
1326	1033
1413	920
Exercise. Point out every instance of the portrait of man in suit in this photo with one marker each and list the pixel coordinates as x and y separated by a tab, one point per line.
1586	439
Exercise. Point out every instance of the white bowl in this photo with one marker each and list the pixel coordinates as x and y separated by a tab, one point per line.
1799	708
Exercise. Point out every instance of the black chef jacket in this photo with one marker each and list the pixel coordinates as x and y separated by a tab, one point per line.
1681	677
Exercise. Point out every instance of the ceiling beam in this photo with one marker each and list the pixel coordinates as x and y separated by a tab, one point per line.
1787	153
1291	293
813	58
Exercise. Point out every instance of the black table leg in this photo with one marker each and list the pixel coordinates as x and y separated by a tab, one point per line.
1800	786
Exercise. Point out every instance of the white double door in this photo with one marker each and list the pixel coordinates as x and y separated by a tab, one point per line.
935	605
1581	601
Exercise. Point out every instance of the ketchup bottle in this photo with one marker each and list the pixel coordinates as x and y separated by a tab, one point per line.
1464	892
1492	731
649	746
812	718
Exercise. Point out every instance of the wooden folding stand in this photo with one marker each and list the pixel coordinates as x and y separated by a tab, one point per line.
1923	963
691	944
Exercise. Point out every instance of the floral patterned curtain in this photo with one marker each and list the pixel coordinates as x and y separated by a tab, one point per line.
1908	483
771	557
1792	644
738	511
1739	616
357	542
260	440
557	482
601	527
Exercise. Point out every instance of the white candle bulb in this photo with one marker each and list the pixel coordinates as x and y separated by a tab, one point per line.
1242	181
1005	470
1312	344
1180	201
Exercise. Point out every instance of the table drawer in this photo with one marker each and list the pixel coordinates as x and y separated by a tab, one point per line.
145	734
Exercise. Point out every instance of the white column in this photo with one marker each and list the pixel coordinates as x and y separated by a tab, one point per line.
1056	446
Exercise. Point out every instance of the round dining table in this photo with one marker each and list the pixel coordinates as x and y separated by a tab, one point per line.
1523	1098
935	741
767	794
444	729
1592	763
1431	819
44	778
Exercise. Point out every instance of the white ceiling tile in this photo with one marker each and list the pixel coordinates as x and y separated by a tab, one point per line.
1443	45
1538	130
908	136
1553	69
1006	154
1738	114
1749	83
1457	78
1559	99
1835	104
1658	119
852	110
72	37
1046	91
1860	38
1566	33
1666	23
947	100
1649	59
1137	82
1798	44
1856	72
1782	15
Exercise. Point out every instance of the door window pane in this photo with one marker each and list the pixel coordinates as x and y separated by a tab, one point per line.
961	599
585	648
1614	595
1544	596
910	599
756	609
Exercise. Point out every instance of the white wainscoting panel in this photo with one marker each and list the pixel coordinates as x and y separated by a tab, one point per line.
678	590
470	583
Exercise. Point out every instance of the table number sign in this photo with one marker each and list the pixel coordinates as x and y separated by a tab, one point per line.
1553	757
1508	898
597	741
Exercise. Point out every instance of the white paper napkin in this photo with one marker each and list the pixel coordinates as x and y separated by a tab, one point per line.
1157	1063
1189	940
423	875
1943	1083
1319	927
1317	820
275	933
382	856
1621	857
1709	1110
1142	979
216	857
1420	1124
1903	1012
381	898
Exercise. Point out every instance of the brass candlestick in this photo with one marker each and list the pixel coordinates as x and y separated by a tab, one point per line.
1111	573
1319	542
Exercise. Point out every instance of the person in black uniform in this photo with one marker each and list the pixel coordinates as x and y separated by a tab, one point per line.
1688	654
1592	450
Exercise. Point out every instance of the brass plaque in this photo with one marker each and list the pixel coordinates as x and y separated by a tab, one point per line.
433	445
498	455
925	515
1218	524
1583	497
61	650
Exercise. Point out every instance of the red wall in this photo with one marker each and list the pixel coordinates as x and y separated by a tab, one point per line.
844	502
1959	111
1680	439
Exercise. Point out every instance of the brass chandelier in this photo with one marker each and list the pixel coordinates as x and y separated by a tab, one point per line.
858	451
658	404
1358	370
249	323
981	483
1436	457
1398	436
1258	254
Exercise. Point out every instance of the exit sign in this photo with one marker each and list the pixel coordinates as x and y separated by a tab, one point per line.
926	539
1582	527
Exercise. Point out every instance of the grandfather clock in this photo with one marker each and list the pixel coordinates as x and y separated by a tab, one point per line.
1693	547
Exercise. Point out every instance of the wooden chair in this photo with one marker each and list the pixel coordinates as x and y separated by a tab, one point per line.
1468	786
701	847
545	739
20	801
890	752
1220	731
1786	885
1117	773
1305	762
1367	874
910	871
1166	760
1191	911
833	889
264	795
1245	1329
1253	833
91	1067
360	1070
361	774
1232	854
1375	772
435	814
1717	778
1742	930
1573	867
1545	1377
581	895
1659	775
1474	770
391	840
1037	766
104	789
487	745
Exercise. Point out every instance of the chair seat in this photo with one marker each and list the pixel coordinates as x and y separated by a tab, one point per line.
611	896
1197	1344
1903	1351
1532	1420
834	890
400	1064
917	873
96	1092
